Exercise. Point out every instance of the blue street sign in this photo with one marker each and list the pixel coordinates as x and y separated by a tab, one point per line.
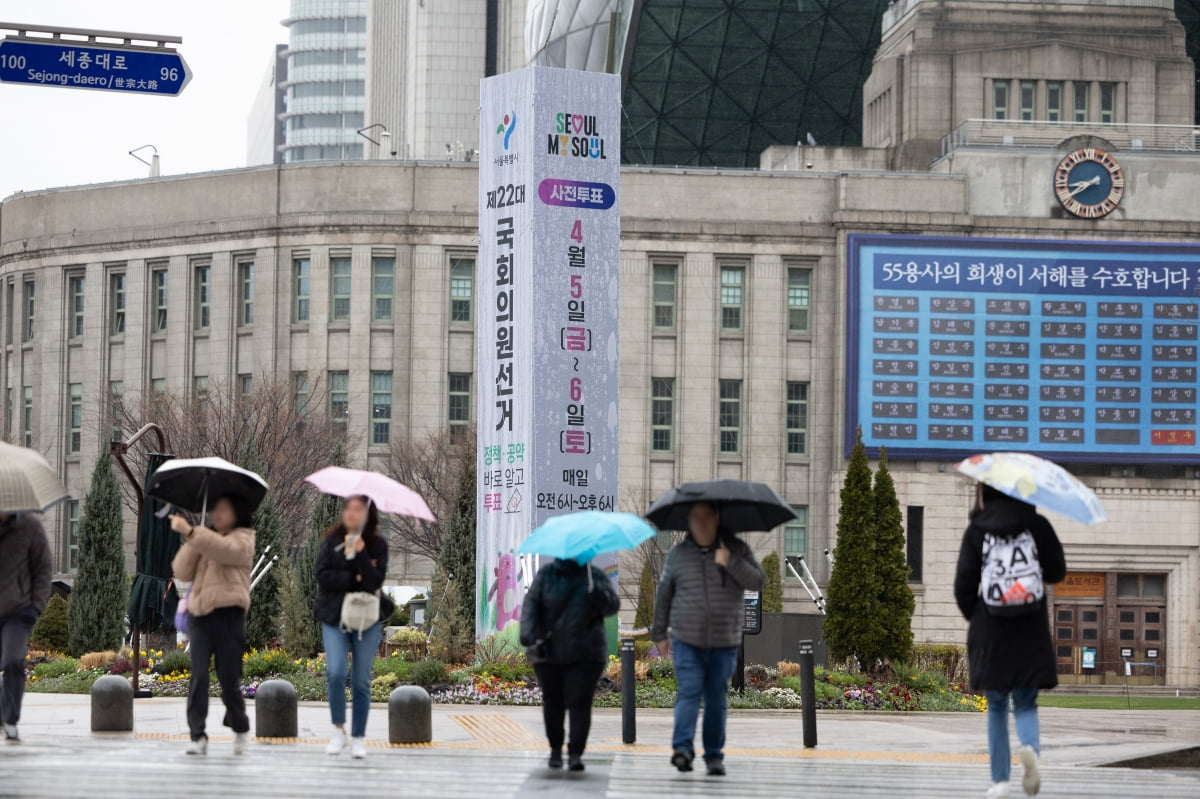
79	66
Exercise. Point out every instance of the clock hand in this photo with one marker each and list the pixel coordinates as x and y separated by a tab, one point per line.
1083	184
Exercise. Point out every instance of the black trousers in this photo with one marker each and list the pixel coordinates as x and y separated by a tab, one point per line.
568	686
14	643
222	634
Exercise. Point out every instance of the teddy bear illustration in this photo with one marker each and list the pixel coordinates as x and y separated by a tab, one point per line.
504	589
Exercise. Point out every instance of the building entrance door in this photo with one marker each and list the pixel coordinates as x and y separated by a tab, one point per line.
1077	625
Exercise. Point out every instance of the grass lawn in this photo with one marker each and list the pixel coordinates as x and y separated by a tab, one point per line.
1118	702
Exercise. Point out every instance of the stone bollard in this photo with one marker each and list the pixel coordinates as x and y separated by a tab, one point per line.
410	716
275	714
112	704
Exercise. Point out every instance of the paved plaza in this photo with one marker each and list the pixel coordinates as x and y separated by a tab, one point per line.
499	752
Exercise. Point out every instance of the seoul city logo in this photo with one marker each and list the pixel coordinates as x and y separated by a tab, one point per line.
506	127
576	135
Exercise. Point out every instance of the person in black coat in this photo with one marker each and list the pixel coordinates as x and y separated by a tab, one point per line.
353	556
1009	655
562	624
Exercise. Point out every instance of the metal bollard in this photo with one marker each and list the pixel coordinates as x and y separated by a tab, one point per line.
628	693
808	694
112	704
410	716
275	710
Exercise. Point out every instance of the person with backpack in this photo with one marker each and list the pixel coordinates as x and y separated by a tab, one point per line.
1009	554
351	566
562	624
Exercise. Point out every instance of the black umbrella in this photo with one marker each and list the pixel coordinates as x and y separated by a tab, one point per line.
153	598
195	483
744	506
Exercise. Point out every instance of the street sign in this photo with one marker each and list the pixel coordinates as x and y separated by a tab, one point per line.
752	620
106	68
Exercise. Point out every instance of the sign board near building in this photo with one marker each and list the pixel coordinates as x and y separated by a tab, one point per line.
752	618
548	294
1081	584
76	65
1084	351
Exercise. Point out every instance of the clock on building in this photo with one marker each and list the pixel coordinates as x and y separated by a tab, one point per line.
1089	183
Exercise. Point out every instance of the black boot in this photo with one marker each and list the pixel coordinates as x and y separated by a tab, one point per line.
555	758
575	762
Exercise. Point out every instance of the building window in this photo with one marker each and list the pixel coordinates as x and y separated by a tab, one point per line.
339	397
158	386
75	418
1000	99
200	391
1054	101
797	418
8	409
245	273
203	278
116	409
302	285
459	409
30	308
1108	103
300	392
27	416
1028	95
1081	101
798	297
381	407
732	283
914	541
462	288
339	279
383	282
795	538
158	283
730	417
665	276
8	313
75	295
71	506
116	295
662	414
245	386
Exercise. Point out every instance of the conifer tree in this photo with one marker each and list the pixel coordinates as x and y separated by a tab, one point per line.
896	602
643	615
772	592
452	594
96	615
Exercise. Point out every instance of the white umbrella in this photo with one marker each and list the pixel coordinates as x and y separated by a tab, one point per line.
27	483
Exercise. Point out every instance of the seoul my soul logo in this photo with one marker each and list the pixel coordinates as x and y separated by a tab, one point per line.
506	127
576	135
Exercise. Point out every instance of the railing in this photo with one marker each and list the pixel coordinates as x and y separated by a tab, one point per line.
1009	133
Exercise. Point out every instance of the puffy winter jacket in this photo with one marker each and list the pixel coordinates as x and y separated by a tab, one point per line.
567	613
218	567
25	567
337	576
701	603
1007	653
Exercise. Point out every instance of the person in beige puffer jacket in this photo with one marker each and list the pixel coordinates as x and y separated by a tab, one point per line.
217	562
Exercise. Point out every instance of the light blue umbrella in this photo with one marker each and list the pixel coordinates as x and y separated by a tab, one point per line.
1037	481
585	534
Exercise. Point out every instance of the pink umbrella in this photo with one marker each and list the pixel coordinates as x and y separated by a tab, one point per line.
384	492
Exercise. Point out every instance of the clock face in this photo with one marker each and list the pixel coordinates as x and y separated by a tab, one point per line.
1089	183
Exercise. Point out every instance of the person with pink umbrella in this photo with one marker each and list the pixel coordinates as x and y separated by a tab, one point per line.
351	568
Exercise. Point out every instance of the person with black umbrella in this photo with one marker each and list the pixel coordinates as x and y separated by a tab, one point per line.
217	561
698	620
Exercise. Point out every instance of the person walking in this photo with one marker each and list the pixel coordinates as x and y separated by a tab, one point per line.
25	568
217	562
1008	554
352	558
562	624
698	620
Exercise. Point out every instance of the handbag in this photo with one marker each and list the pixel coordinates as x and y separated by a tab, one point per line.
360	611
181	613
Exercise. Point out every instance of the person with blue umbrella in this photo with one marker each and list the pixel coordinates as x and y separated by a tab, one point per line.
562	618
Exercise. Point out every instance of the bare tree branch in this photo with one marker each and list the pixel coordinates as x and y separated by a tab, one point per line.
430	466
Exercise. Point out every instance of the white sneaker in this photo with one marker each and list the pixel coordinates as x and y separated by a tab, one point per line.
999	790
358	748
10	733
337	742
1031	782
198	747
239	742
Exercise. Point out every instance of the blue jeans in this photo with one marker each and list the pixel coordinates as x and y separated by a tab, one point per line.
1024	705
361	650
702	673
